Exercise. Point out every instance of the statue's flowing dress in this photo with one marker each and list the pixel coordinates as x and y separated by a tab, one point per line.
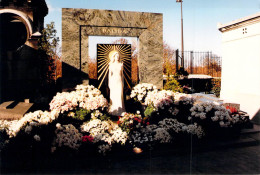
116	86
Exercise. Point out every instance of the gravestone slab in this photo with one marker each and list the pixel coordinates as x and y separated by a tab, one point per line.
12	111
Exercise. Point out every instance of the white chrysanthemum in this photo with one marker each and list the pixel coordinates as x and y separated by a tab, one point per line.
103	149
221	114
215	118
104	131
140	91
87	97
32	119
37	138
67	135
28	129
203	115
160	99
162	135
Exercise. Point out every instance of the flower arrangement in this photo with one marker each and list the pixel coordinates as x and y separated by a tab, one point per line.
32	119
165	131
159	99
182	105
67	136
169	117
213	114
173	126
237	117
128	122
86	139
140	91
105	133
183	99
159	104
85	97
232	110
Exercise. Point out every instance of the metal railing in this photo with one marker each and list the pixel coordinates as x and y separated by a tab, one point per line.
199	63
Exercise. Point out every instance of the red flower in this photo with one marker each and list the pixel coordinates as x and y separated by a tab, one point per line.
87	139
118	122
136	119
147	123
232	109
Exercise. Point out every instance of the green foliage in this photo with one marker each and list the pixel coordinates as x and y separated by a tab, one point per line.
216	86
181	72
104	117
84	115
173	85
168	61
81	114
148	111
48	46
129	122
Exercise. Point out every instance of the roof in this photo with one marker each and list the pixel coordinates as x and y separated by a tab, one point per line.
239	22
199	76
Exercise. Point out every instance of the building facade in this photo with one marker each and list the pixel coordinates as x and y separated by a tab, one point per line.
241	63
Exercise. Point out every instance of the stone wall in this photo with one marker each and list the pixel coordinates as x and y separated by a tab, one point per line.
79	24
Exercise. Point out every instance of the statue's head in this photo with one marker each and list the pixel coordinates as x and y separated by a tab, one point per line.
114	56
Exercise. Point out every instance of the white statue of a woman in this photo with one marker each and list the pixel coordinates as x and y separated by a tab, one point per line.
116	84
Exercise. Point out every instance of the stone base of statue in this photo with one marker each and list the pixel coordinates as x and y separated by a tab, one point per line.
116	111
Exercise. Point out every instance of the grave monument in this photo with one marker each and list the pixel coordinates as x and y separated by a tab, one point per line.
79	24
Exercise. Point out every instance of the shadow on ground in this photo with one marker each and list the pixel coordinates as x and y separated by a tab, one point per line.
163	160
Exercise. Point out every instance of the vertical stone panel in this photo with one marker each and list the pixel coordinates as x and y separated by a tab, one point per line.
84	55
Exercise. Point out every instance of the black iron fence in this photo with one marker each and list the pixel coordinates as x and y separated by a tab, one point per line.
199	62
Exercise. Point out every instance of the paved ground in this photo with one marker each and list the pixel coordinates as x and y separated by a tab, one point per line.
237	160
235	157
245	160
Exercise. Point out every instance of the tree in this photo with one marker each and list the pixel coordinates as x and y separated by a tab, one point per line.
49	41
212	64
92	67
50	51
168	59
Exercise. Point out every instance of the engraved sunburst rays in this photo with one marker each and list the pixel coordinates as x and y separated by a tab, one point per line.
103	60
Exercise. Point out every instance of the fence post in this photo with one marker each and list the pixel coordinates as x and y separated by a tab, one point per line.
220	63
182	59
212	68
177	59
213	61
191	62
208	63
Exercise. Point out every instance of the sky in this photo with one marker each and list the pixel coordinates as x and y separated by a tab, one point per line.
200	18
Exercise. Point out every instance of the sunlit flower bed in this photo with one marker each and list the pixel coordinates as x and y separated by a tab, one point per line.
78	121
